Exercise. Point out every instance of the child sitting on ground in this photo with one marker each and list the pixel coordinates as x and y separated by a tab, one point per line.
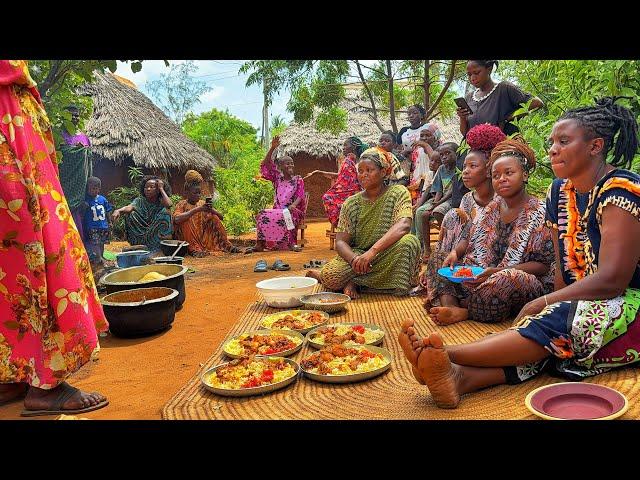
96	222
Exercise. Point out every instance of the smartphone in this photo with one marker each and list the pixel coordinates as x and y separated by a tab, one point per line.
462	103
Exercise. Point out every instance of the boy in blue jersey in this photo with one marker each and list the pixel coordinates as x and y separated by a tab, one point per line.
97	221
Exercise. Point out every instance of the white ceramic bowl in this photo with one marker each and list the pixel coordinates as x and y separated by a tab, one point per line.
285	292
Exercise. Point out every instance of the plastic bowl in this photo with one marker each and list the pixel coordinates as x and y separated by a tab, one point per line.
285	292
134	258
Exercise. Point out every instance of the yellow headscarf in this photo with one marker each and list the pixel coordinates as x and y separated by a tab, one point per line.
380	157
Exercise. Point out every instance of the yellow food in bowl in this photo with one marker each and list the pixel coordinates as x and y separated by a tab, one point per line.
347	335
152	276
251	373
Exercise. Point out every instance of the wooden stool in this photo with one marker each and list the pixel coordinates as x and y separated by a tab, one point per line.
331	234
303	224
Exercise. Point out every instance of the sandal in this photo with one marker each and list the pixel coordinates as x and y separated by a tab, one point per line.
66	392
296	248
280	266
261	266
234	249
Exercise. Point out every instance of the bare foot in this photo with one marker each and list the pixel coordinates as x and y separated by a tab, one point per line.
448	315
313	274
12	391
427	305
39	399
407	338
440	375
352	290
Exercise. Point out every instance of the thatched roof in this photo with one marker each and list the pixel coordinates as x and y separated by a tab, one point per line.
305	138
126	124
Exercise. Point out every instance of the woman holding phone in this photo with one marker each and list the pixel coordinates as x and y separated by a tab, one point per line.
491	102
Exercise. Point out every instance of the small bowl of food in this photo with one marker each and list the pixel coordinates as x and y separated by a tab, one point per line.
460	273
285	292
329	302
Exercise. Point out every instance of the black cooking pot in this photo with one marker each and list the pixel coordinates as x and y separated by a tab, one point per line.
140	311
129	278
169	246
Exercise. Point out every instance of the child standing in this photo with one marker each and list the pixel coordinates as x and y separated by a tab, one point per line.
96	221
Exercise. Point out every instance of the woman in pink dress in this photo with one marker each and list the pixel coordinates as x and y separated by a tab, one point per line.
277	227
50	314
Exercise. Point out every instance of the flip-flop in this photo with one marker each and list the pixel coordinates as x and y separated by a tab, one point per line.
261	266
296	248
280	266
318	263
67	392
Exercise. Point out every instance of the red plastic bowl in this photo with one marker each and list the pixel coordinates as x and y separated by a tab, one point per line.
576	401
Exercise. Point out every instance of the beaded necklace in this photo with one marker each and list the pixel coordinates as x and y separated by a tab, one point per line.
475	94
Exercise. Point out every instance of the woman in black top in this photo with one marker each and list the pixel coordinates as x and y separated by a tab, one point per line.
492	102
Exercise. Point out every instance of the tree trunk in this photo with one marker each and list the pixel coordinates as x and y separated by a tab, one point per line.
265	118
45	86
374	112
427	84
392	102
452	71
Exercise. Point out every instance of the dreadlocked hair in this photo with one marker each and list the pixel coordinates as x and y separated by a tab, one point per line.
605	120
486	63
515	147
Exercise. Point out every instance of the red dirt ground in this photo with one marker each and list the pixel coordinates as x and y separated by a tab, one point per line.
140	375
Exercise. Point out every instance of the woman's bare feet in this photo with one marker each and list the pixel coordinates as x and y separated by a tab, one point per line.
313	274
441	376
448	315
407	338
38	399
352	290
12	391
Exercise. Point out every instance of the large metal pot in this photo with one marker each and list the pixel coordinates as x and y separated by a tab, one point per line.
140	311
129	278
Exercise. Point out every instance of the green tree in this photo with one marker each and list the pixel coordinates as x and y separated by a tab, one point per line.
234	144
387	87
177	91
58	81
563	85
278	125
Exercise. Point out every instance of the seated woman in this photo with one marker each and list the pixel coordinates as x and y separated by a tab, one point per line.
375	248
277	226
149	218
510	241
475	176
345	180
196	221
590	323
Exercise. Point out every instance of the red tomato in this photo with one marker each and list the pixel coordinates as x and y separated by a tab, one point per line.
267	375
359	329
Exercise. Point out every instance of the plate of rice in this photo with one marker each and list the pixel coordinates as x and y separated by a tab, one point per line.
244	377
348	334
341	364
264	342
301	321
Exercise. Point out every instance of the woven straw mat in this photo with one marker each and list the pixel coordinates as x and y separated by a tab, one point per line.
393	395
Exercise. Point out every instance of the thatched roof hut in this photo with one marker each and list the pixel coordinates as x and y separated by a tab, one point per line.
315	150
127	129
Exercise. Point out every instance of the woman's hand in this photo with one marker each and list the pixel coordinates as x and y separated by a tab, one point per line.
451	259
534	307
115	215
160	184
463	112
362	263
483	276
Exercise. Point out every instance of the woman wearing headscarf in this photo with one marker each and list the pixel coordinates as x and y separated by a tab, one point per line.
374	246
346	179
50	313
197	222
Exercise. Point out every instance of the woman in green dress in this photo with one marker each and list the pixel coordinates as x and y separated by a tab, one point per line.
375	248
149	218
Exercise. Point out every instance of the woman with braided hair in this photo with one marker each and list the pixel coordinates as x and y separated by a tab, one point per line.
589	324
374	246
510	241
197	222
